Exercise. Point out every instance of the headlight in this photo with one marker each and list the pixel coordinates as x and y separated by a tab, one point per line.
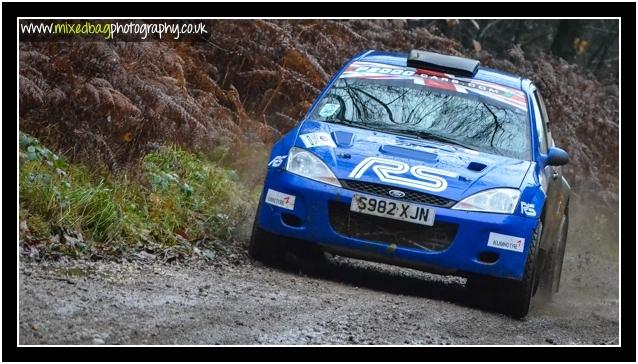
499	200
306	164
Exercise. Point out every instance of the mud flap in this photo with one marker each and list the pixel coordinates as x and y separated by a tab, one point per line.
553	240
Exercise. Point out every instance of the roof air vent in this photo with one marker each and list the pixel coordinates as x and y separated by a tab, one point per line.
458	66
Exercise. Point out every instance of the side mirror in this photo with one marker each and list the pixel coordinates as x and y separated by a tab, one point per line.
557	157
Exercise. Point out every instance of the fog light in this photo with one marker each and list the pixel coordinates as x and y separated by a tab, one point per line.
488	257
290	219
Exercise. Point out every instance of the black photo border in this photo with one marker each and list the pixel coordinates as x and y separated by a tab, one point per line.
626	11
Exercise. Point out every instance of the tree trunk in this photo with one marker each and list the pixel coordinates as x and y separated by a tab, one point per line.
563	44
519	29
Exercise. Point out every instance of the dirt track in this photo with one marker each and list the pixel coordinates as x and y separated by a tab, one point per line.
345	302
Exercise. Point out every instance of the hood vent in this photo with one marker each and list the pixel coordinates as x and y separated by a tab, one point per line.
409	153
476	166
343	138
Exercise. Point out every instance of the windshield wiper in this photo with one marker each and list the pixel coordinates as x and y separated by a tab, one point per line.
432	136
351	123
441	138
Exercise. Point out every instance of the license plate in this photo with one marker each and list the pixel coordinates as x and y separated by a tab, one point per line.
392	209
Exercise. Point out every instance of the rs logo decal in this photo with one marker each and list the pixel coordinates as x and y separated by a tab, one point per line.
528	209
277	161
387	170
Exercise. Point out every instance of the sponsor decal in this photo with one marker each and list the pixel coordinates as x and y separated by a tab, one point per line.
318	139
328	110
437	80
391	171
528	209
277	161
507	242
280	199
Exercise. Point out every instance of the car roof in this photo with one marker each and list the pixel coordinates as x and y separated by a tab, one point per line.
483	73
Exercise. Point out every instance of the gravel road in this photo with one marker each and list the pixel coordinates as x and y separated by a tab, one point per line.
344	302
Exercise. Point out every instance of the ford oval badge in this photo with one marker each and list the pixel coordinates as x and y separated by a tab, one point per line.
396	193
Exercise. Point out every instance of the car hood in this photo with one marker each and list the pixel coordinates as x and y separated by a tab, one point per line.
441	169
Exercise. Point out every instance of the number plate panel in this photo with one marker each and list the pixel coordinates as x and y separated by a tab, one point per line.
392	209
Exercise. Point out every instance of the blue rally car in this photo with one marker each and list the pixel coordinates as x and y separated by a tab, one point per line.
425	161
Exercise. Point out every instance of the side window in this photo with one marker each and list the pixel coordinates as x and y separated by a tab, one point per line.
541	122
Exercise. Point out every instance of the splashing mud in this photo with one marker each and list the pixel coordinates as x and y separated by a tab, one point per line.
590	277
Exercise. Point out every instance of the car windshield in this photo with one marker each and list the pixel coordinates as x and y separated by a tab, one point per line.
447	113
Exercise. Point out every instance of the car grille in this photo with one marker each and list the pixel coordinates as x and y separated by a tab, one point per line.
373	228
382	190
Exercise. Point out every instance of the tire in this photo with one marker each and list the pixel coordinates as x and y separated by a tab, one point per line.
274	250
512	297
521	292
263	246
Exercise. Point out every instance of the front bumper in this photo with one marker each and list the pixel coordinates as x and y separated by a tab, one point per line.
309	220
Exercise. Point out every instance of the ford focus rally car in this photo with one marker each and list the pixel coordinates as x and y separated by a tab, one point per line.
425	161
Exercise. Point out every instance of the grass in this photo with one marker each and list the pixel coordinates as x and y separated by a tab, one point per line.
176	199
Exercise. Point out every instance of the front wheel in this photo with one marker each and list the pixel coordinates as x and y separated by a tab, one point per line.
275	250
263	246
512	297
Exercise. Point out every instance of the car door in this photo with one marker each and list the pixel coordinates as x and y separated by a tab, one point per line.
557	196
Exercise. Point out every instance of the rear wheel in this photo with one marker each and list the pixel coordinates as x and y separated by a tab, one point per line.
512	297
